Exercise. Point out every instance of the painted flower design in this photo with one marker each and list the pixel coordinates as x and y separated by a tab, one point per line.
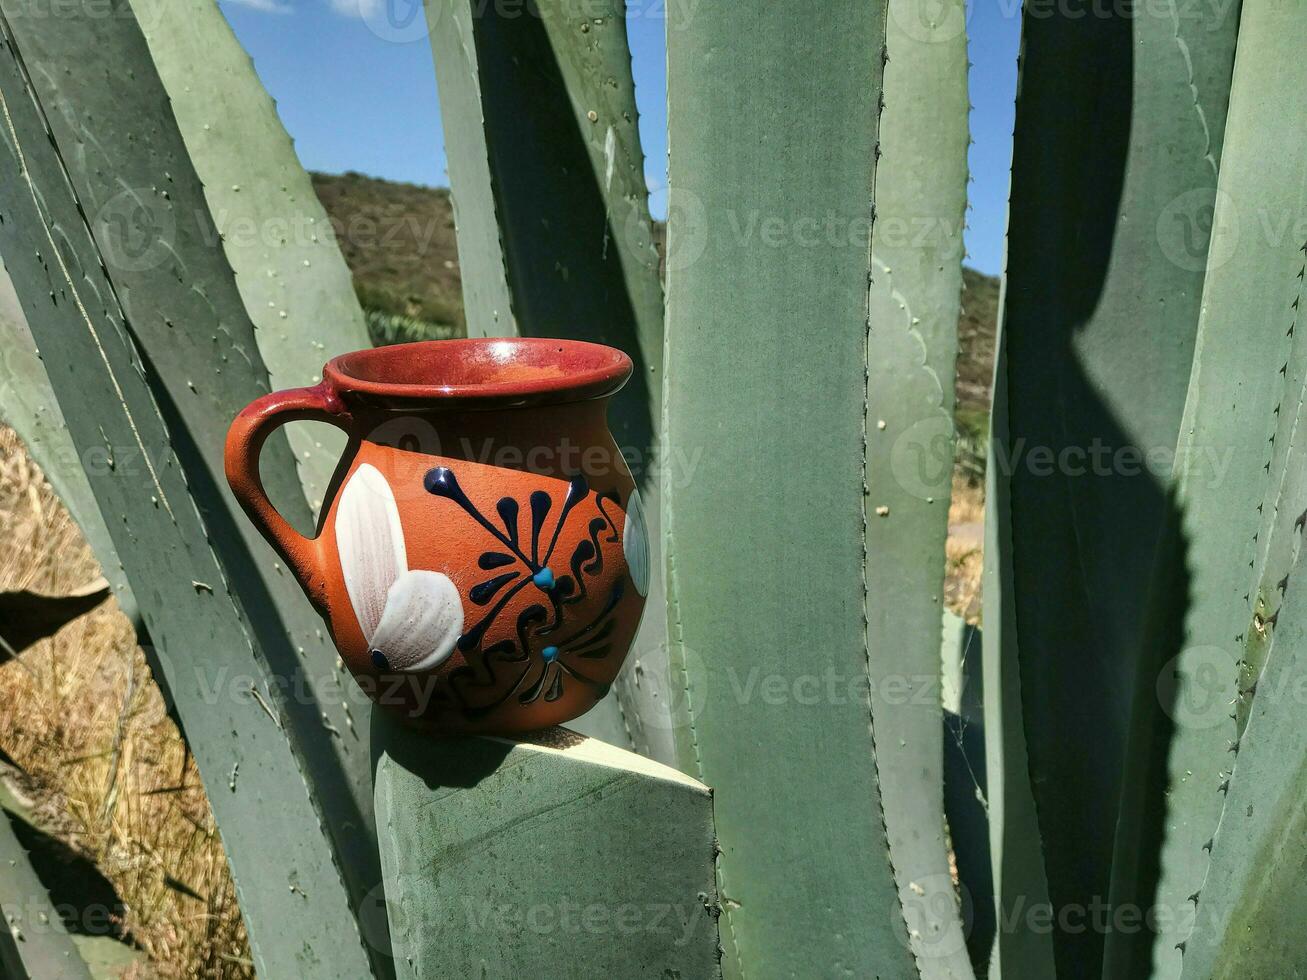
410	619
552	643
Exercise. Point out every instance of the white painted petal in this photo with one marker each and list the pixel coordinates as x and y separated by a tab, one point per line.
422	622
635	543
370	542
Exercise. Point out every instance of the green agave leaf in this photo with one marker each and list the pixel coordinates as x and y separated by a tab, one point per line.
916	287
558	241
1020	883
773	126
151	363
560	856
1118	132
1254	899
34	944
1245	396
292	278
28	405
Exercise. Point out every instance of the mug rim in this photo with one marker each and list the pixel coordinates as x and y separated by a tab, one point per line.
482	372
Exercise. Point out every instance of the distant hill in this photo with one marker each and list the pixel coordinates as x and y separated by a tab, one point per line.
398	240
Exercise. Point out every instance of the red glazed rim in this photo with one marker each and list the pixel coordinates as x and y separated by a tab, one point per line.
481	373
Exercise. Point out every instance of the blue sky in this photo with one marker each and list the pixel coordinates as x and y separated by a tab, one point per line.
355	86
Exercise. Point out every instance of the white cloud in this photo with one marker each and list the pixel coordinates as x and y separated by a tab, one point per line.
265	6
358	8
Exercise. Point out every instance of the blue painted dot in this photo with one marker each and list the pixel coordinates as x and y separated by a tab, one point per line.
439	481
550	654
379	660
544	579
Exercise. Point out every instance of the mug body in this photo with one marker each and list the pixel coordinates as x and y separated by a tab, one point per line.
482	558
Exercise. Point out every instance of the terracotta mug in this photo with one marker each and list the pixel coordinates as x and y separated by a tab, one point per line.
481	556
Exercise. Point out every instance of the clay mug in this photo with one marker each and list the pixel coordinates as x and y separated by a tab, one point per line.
481	555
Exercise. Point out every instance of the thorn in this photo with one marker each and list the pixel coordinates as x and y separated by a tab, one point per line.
1193	898
254	692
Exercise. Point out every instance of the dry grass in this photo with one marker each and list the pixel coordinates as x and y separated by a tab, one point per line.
102	763
965	551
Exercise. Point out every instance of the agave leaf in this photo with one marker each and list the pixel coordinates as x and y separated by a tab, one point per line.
28	405
558	241
1253	899
1118	133
773	118
34	944
1020	883
292	278
153	361
916	287
527	858
1242	389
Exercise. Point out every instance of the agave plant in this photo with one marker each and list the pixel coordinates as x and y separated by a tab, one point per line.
772	786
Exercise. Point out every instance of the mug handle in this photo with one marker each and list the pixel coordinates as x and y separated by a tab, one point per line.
249	431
